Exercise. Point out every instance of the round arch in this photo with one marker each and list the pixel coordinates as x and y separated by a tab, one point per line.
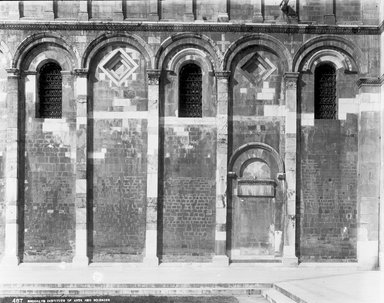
338	50
177	43
36	41
41	55
100	42
264	40
256	145
188	55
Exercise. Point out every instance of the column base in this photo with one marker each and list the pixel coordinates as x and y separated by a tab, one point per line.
381	261
258	18
220	260
49	15
291	261
118	16
189	17
330	19
223	17
80	261
83	16
154	17
151	261
9	261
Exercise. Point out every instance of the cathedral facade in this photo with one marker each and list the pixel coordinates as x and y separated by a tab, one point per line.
191	131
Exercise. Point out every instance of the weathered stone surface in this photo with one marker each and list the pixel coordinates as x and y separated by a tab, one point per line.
120	131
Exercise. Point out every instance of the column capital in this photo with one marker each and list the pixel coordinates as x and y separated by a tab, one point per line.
81	72
153	76
291	76
222	74
290	80
15	72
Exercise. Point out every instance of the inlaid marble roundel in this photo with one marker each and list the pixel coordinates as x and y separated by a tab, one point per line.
118	66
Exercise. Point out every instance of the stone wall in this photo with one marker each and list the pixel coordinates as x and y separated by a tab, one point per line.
3	114
106	146
239	11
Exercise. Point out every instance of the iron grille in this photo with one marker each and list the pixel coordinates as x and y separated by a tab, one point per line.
325	92
190	88
50	91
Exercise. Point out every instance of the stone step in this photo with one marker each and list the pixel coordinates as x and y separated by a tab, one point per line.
136	285
117	291
275	296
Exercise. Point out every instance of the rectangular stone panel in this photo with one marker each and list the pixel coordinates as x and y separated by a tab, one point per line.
256	190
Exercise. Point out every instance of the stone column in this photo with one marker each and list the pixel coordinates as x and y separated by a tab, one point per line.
221	169
150	258
257	11
81	95
189	14
223	11
83	11
154	10
14	10
11	257
381	205
290	82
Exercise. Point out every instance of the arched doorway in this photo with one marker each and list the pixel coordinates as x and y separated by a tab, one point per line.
255	204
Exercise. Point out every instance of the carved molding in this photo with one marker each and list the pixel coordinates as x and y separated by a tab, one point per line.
153	76
222	74
219	27
80	72
290	80
13	72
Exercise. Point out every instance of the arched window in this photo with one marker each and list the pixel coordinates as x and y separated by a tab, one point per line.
190	91
50	91
325	92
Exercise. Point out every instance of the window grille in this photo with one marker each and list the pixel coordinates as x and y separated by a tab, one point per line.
190	91
325	92
50	91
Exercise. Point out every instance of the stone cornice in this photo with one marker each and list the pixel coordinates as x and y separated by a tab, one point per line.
191	27
81	72
374	81
381	27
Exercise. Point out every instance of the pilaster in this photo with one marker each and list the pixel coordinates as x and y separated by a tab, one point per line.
189	14
369	199
290	82
381	205
257	11
221	169
81	95
223	11
154	10
83	10
48	12
11	257
330	12
14	10
118	11
150	258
